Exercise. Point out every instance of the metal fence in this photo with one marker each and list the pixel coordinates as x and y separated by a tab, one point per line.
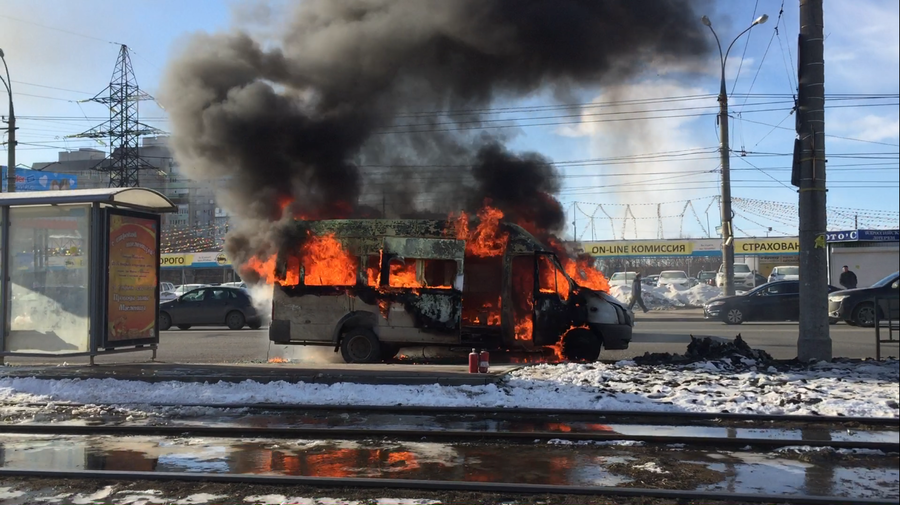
885	307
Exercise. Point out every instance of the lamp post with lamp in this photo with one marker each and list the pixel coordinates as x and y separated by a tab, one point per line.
724	152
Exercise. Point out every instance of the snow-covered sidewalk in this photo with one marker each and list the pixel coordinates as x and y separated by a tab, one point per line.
868	389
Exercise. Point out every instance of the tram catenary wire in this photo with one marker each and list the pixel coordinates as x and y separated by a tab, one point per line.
437	485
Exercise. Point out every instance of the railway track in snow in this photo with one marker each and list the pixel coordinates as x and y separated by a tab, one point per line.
599	416
443	485
761	440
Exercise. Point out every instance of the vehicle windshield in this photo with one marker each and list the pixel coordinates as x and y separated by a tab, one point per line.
673	275
618	276
741	268
887	280
787	270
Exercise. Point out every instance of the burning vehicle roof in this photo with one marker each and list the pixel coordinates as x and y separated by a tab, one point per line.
519	240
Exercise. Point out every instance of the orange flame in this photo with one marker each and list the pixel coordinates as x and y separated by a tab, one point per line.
279	360
487	240
326	263
403	275
524	329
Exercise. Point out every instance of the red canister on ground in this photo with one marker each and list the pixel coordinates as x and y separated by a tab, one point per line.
483	362
473	361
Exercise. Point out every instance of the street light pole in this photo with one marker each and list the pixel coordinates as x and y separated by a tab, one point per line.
725	153
11	146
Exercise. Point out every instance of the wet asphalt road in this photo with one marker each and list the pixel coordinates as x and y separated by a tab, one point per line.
653	333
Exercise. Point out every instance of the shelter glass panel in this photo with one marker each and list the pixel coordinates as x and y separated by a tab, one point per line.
49	279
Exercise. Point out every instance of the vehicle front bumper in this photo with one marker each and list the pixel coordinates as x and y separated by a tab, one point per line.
616	337
713	312
836	309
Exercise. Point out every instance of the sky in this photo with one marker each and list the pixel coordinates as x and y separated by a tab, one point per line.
643	167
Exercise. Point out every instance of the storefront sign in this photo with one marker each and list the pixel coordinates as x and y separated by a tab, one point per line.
780	245
639	248
194	260
132	298
695	247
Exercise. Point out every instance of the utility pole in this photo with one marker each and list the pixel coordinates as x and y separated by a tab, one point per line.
725	154
11	145
814	342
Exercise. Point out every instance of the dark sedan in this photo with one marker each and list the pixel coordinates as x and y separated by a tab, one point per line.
775	301
210	306
857	306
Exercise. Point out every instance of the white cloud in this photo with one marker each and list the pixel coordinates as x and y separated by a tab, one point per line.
664	126
874	128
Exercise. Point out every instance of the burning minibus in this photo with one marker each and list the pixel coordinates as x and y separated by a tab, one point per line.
368	287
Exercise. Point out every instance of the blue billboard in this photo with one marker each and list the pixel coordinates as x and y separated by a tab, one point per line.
37	180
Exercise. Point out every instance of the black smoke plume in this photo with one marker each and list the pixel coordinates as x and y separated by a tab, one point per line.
340	115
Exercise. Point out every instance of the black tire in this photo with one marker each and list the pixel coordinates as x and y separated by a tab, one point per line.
164	321
733	316
580	344
833	320
388	351
255	326
360	345
235	320
184	327
864	314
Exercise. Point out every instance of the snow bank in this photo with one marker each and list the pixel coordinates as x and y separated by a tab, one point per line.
867	388
669	297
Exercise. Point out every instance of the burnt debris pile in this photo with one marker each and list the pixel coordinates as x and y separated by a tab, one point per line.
735	352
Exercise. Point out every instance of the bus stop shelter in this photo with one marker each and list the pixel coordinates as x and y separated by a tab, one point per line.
80	271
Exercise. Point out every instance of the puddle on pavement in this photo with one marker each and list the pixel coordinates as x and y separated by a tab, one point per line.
520	424
555	464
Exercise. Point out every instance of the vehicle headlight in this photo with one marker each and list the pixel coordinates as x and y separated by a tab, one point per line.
837	298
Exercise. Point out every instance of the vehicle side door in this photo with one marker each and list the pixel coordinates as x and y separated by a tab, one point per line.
189	309
217	303
790	301
765	304
551	288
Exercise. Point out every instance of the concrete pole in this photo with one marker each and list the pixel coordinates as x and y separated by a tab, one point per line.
725	207
11	146
814	342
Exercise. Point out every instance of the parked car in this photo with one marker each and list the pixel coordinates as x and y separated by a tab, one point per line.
166	286
706	277
242	285
857	306
744	277
652	279
622	279
677	278
785	273
774	301
165	296
210	306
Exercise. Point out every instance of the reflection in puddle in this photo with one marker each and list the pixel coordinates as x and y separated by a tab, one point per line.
520	424
534	464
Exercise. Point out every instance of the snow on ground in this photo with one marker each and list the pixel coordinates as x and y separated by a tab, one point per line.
669	297
857	388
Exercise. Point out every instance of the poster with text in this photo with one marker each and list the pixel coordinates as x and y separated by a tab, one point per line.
133	262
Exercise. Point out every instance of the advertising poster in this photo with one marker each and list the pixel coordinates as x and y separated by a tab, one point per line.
38	180
133	262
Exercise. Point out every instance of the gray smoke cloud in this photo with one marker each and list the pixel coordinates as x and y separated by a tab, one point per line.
341	115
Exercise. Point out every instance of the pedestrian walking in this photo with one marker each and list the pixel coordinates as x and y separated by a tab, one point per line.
636	293
848	278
